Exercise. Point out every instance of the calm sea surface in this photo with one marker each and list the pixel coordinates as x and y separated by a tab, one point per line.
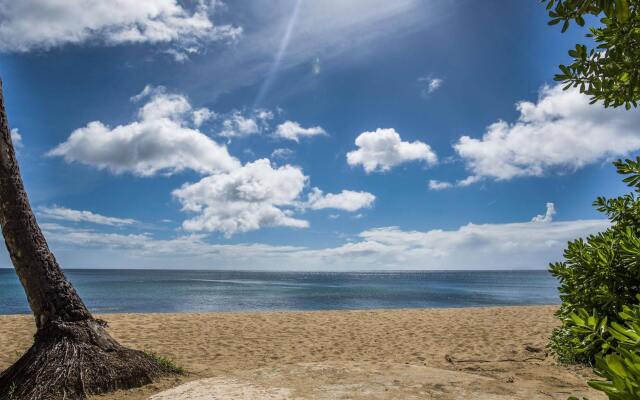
114	291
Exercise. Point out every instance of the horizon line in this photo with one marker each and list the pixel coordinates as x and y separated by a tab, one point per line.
294	270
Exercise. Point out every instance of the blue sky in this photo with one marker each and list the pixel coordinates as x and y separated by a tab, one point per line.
304	135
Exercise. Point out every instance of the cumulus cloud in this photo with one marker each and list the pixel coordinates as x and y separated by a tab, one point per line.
165	138
161	140
258	195
547	216
202	115
44	24
347	200
383	149
16	137
560	132
291	130
238	125
515	245
248	198
67	214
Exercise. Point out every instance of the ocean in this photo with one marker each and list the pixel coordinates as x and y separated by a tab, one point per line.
144	291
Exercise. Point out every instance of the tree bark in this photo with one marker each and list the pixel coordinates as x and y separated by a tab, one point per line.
72	355
50	294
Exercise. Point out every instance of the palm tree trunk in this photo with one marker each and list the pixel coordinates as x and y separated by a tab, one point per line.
72	355
50	295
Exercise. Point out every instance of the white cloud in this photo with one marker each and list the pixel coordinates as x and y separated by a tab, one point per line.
430	85
247	198
258	195
16	137
43	24
347	200
547	216
237	125
67	214
161	140
434	84
232	198
178	56
202	115
293	131
282	153
487	246
264	115
560	132
90	248
468	181
384	149
439	185
182	55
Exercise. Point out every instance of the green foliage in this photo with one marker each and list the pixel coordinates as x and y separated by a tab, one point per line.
166	362
580	338
619	359
601	273
619	362
610	72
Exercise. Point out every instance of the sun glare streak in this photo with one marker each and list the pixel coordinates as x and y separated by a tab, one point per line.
284	43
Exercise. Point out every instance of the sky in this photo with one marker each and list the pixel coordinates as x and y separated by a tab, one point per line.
304	135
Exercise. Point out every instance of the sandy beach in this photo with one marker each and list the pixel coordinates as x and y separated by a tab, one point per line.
474	353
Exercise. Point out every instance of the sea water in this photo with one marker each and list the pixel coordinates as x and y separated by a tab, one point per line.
118	291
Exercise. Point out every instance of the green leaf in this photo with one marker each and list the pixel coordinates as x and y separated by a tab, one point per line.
615	365
576	319
606	387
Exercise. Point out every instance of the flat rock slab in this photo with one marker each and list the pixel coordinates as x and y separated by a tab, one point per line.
220	388
355	381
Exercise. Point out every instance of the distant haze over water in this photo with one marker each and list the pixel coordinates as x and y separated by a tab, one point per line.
119	291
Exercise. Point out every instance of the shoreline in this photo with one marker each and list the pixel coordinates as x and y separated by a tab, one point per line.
443	353
346	310
295	271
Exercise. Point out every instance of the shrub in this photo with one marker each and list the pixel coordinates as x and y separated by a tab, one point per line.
619	359
582	336
601	273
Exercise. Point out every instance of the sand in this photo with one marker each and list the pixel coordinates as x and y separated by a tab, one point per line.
466	353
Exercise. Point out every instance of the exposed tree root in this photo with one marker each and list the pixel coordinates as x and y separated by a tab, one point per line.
70	361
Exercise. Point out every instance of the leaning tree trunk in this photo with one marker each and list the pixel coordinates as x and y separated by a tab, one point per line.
72	355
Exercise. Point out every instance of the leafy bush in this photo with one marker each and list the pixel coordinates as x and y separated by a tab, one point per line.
610	71
600	273
582	336
619	359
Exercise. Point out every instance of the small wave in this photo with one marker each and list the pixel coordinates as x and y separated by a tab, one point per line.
247	282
